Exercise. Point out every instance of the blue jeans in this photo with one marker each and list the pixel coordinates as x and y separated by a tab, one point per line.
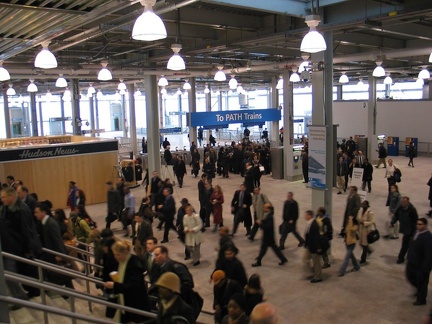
349	255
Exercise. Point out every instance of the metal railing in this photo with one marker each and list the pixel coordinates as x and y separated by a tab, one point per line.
43	285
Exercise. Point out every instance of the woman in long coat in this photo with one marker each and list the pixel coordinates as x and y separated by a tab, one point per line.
365	218
217	199
192	225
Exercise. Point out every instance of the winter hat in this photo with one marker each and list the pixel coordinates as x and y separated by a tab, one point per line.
170	281
217	276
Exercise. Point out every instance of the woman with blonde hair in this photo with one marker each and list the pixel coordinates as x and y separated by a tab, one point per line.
128	283
366	221
217	199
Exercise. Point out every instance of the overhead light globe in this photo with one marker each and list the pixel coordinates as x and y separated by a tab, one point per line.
4	74
424	74
379	70
91	90
163	91
233	83
220	75
279	85
11	91
388	80
343	78
206	89
294	76
122	92
419	82
176	62
178	92
121	85
313	42
45	59
99	95
149	26
163	82
186	85
137	93
32	87
48	96
61	82
240	88
104	74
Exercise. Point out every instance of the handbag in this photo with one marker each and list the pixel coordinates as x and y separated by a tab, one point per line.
373	235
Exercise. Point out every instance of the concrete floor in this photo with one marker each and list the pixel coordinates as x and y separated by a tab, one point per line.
378	293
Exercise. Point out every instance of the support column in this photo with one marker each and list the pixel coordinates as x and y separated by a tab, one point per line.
179	104
97	113
33	114
7	115
274	103
152	112
220	101
208	99
92	114
132	119
322	105
339	92
76	122
41	118
62	112
125	123
372	112
161	107
192	108
288	108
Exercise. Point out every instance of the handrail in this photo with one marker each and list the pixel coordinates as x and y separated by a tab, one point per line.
70	258
81	251
50	309
51	267
85	244
69	292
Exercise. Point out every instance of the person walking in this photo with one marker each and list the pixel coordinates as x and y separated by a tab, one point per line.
341	170
367	175
312	247
395	202
407	216
365	218
217	200
352	207
411	154
113	204
289	225
192	226
258	201
419	259
240	208
326	233
382	154
429	213
180	170
168	211
268	239
350	242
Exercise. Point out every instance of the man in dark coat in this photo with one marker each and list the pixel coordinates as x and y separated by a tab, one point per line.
23	194
367	175
249	177
113	204
352	207
203	198
312	247
407	216
180	170
268	238
290	216
232	266
223	289
240	207
168	211
419	263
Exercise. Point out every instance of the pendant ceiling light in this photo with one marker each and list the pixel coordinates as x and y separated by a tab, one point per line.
176	62
294	76
379	70
220	75
343	78
313	42
388	79
360	84
4	74
420	82
178	92
163	82
48	96
61	82
104	74
32	87
163	91
137	93
206	89
91	90
424	74
122	92
240	88
233	82
121	85
99	95
67	95
149	26
279	85
45	59
11	91
186	85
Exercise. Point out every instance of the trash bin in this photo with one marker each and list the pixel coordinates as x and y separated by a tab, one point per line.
277	162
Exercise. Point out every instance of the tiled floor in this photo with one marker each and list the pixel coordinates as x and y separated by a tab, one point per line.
378	293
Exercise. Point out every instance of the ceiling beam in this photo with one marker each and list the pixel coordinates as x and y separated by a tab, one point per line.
41	9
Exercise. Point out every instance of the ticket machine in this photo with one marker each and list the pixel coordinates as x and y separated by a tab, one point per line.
293	163
393	146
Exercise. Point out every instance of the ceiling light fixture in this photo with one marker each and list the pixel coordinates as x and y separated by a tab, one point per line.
206	89
178	92
233	82
220	75
91	90
240	88
186	85
4	74
388	79
313	42
122	92
279	85
48	96
117	96
137	93
379	70
121	85
61	82
420	82
343	78
176	62
45	59
99	95
163	82
424	74
11	91
294	76
163	91
149	26
32	87
360	83
104	74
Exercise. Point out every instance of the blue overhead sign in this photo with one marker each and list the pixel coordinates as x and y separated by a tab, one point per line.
217	118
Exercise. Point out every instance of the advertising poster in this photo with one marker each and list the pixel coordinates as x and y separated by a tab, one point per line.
317	157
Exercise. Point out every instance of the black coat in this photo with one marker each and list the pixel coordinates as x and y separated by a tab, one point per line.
169	209
180	169
134	290
178	308
247	200
290	211
430	188
312	238
367	172
234	270
223	294
407	218
51	239
420	252
267	225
